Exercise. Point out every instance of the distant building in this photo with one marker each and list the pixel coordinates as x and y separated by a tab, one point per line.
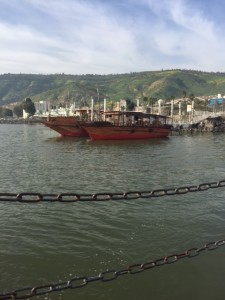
25	114
216	100
41	107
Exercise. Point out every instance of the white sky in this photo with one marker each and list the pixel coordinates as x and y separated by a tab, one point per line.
111	36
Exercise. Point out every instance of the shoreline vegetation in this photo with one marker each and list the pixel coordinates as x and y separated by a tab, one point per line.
161	84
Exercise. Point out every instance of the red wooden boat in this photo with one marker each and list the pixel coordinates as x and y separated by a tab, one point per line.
124	125
66	126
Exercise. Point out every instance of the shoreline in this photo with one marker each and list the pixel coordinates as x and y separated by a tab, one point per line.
22	121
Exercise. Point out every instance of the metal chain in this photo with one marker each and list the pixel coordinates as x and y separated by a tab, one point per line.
108	275
74	197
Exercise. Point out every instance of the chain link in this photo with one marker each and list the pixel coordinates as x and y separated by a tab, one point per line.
131	195
108	275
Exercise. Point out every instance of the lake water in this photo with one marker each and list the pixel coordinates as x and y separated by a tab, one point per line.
52	242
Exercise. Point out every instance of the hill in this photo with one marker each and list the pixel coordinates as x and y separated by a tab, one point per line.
153	84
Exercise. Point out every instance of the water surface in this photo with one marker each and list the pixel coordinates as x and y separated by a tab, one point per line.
52	242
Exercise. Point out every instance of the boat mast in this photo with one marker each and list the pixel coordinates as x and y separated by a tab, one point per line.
92	109
98	102
104	107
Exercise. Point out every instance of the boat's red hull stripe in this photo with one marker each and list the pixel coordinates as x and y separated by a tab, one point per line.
110	133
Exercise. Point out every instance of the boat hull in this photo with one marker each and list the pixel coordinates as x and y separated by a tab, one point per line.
126	133
65	126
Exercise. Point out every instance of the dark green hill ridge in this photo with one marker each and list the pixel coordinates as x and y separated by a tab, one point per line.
153	84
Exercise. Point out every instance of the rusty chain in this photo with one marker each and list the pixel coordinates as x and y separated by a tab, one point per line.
74	197
108	275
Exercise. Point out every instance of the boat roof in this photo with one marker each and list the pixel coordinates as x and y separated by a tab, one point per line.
83	109
133	113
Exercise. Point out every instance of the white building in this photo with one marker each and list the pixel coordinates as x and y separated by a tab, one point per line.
41	107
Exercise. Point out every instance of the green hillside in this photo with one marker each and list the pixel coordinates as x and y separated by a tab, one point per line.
155	84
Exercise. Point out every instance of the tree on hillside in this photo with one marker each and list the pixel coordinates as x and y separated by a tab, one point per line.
191	96
29	106
18	110
130	104
145	100
184	94
111	105
152	101
5	112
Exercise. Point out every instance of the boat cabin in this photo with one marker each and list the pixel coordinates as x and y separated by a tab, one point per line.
133	118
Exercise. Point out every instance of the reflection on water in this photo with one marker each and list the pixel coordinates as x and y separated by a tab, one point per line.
129	142
49	242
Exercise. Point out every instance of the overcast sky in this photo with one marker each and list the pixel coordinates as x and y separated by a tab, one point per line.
111	36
